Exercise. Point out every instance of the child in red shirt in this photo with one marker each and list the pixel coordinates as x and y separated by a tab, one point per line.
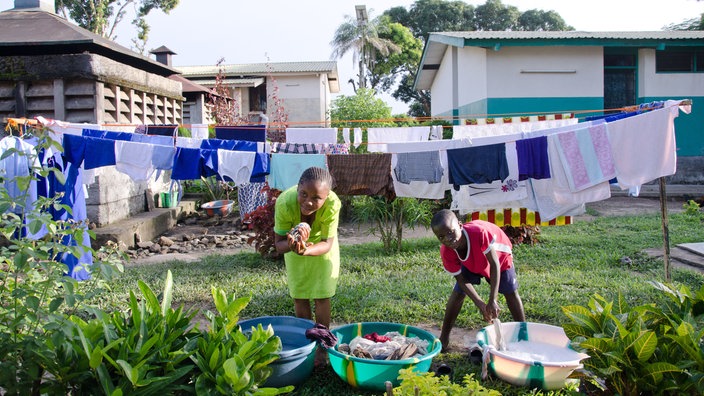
470	252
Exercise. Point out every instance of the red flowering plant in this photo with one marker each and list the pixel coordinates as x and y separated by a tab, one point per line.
279	116
262	223
224	109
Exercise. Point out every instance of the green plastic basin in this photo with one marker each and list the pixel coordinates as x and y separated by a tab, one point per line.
372	374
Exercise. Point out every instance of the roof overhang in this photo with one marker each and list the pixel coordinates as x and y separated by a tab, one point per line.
27	33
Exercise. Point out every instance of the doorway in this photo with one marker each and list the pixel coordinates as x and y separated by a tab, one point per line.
620	83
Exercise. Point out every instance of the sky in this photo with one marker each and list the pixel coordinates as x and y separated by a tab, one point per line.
260	31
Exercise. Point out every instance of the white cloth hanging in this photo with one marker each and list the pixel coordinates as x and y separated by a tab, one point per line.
311	135
346	135
377	137
357	137
643	146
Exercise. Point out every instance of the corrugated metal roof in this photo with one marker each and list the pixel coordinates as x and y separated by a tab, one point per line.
559	35
236	82
261	68
438	42
40	32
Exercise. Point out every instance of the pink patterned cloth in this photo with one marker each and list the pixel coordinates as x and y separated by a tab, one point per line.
586	157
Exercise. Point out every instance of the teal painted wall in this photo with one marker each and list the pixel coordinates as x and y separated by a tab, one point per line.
689	128
476	109
537	106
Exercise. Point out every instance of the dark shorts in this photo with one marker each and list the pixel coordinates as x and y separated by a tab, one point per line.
508	284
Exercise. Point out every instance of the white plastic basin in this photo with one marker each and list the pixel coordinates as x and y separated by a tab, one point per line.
537	355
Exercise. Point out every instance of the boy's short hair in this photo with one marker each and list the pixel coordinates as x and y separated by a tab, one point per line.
445	216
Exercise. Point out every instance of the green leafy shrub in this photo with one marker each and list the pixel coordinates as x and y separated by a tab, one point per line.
230	362
693	210
415	383
215	190
388	218
36	298
140	351
643	349
54	342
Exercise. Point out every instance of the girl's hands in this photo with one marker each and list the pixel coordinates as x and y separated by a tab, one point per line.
297	238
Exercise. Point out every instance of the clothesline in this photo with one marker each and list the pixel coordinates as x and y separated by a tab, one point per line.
274	124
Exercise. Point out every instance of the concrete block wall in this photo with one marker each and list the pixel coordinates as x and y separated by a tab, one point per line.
114	196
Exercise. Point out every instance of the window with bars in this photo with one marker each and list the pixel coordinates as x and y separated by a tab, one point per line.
680	60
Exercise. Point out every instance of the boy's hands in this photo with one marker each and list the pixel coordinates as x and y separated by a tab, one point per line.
490	310
297	238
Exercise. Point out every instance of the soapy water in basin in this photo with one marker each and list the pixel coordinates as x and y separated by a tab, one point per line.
540	352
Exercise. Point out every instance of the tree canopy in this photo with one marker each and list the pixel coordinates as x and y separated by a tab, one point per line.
103	16
364	105
364	39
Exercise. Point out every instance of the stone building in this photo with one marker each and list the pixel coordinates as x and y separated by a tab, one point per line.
52	68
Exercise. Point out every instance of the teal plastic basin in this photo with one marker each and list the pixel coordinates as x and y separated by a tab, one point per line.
372	374
296	359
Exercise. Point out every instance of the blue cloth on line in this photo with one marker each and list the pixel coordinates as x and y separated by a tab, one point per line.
482	164
262	168
533	162
252	133
126	136
74	149
101	152
163	157
188	164
93	133
237	145
152	139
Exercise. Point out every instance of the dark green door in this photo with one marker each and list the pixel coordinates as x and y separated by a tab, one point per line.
620	85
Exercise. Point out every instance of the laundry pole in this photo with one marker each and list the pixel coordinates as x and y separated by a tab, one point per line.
665	228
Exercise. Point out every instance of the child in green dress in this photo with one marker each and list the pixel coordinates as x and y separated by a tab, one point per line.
305	224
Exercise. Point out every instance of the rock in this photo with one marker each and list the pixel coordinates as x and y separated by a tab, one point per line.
145	244
165	241
155	248
213	221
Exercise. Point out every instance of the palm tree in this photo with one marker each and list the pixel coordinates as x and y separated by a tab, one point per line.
362	37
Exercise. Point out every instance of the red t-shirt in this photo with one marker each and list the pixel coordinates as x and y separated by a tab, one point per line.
481	235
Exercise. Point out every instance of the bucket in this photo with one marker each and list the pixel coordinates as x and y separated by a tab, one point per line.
537	355
372	374
168	199
296	359
222	207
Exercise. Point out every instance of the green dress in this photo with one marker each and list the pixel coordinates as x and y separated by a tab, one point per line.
310	277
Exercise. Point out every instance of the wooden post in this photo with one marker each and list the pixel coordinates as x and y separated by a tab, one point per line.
665	228
389	388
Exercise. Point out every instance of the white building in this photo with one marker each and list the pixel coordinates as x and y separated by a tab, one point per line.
305	88
488	73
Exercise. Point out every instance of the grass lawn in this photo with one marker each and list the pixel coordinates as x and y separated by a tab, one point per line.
570	264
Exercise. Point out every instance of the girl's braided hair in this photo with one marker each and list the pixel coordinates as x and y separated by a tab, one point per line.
316	174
